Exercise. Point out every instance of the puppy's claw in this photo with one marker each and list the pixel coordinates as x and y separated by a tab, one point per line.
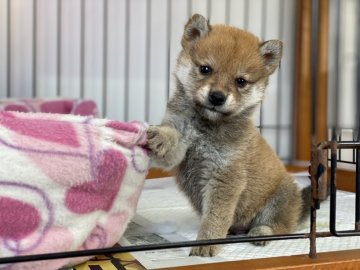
160	141
205	251
260	231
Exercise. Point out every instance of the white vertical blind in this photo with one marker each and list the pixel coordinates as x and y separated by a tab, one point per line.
46	48
69	42
121	53
3	48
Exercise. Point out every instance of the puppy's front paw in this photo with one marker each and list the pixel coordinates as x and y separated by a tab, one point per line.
205	251
260	231
161	140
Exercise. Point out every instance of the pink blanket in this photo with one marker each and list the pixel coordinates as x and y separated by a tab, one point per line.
58	105
66	183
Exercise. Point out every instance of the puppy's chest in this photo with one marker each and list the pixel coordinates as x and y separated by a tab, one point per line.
204	158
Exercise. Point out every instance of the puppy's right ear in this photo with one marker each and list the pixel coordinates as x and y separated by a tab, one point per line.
196	28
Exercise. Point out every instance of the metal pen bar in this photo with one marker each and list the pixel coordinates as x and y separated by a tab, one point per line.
342	145
357	128
348	145
105	251
357	198
333	188
314	67
334	146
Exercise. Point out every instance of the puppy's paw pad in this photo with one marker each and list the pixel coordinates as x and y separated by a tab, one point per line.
205	251
160	141
260	231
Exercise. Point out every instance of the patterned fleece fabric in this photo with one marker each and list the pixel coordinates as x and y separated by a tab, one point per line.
66	183
59	105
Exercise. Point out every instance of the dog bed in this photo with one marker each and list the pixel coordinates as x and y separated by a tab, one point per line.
58	105
66	183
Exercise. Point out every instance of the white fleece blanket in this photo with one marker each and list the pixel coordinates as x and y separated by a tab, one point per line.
66	183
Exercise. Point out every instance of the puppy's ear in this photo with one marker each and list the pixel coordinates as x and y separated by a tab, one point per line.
196	28
271	51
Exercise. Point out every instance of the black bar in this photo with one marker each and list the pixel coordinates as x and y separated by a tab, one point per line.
349	233
333	189
334	148
343	145
314	65
348	145
106	251
358	73
357	198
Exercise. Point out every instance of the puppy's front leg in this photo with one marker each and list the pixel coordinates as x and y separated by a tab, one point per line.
166	145
219	206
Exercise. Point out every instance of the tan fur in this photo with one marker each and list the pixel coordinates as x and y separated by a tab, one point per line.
230	174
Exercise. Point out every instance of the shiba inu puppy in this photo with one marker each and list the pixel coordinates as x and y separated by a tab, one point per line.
230	174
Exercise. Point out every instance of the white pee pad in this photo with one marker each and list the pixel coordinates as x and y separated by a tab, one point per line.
165	215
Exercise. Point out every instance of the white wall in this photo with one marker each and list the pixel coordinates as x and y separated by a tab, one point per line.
343	70
121	53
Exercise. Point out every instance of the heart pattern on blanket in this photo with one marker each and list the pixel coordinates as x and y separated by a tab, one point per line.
52	131
17	219
99	193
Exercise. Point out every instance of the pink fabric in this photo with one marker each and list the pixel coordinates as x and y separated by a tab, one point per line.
66	183
59	106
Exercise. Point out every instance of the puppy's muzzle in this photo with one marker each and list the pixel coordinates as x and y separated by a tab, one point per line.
216	98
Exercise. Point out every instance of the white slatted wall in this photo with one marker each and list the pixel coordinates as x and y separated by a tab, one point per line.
344	70
121	53
344	76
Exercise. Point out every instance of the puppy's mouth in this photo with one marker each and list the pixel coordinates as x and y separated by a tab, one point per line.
211	108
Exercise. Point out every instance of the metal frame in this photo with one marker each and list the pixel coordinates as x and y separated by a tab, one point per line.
318	183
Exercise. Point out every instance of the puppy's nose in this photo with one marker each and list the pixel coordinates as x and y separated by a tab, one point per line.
216	98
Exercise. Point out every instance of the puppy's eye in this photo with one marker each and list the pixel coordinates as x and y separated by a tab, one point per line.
241	82
206	70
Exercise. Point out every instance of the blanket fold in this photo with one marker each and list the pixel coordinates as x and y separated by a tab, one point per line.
66	183
84	107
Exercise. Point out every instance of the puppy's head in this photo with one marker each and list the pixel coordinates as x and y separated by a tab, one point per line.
224	70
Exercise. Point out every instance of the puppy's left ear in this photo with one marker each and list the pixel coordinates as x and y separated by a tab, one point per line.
271	51
196	28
